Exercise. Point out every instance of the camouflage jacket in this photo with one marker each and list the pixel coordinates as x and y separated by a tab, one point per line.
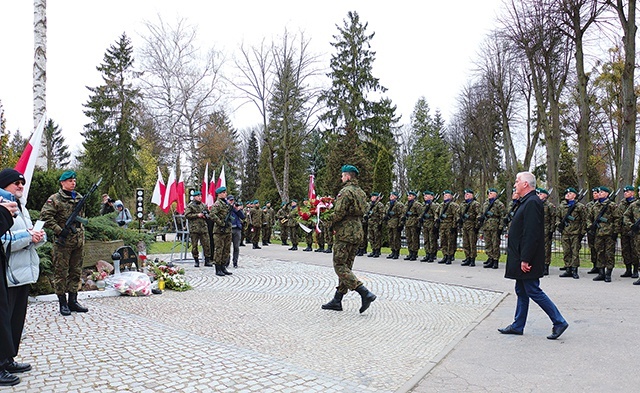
549	218
292	217
469	213
220	214
268	216
57	210
282	214
631	216
196	224
393	213
350	206
412	214
576	223
605	224
254	217
622	208
448	214
429	214
493	219
375	215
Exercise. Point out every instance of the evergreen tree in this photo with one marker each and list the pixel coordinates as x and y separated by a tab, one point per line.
56	152
110	139
251	179
567	176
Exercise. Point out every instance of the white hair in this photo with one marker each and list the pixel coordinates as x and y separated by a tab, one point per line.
528	177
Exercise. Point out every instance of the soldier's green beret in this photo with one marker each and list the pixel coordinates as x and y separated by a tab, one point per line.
283	203
294	200
267	202
492	190
395	193
595	189
543	191
196	193
605	189
350	168
239	203
468	190
375	194
629	188
66	175
570	189
256	202
427	192
221	189
447	192
412	193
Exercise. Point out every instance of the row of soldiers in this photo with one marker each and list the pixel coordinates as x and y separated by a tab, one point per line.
291	226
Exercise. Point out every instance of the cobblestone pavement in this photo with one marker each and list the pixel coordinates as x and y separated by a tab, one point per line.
259	330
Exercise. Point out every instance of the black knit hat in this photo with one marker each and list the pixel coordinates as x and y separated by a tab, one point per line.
8	176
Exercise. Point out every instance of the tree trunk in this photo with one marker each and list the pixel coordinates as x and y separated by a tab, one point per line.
39	61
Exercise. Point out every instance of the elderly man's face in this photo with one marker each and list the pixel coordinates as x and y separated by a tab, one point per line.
16	188
521	186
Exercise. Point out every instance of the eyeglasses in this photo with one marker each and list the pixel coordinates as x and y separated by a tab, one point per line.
19	182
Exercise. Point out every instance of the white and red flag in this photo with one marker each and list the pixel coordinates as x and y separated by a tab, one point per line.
222	181
158	190
211	196
27	162
170	192
312	187
204	188
180	195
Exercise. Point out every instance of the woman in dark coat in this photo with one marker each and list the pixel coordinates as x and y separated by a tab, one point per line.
6	341
525	258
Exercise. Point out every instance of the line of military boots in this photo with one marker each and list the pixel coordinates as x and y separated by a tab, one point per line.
66	307
221	270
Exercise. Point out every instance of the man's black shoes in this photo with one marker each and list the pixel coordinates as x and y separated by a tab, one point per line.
557	331
8	379
15	367
510	330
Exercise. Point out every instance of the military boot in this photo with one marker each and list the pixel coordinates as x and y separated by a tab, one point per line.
574	273
207	262
196	262
450	258
496	264
488	263
319	249
396	254
600	276
635	272
372	253
426	258
64	306
328	250
568	272
223	269
594	270
335	303
293	248
408	257
627	272
359	252
472	262
367	297
607	275
74	305
256	246
466	261
309	248
414	256
444	259
377	253
219	271
390	256
637	282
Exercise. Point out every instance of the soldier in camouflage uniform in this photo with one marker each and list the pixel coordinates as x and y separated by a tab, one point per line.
629	256
468	221
603	219
292	224
268	220
572	227
490	221
393	215
221	216
447	222
631	222
197	212
255	223
282	217
329	237
308	236
67	257
374	218
413	210
321	236
350	207
591	239
428	220
549	226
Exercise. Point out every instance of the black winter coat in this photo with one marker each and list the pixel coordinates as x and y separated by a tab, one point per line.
526	239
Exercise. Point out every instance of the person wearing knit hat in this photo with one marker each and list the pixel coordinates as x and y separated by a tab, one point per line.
67	257
629	256
394	212
23	265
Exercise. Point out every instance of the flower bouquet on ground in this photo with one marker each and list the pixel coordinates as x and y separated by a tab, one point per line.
130	283
173	276
316	210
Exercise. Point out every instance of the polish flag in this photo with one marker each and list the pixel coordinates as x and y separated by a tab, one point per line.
27	162
180	195
170	193
158	190
204	189
222	181
211	196
312	188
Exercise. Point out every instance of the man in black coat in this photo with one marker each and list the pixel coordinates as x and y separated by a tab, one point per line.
525	258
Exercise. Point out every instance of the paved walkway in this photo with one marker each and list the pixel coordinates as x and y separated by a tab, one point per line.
433	328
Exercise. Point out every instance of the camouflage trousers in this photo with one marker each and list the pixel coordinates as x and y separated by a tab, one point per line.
374	236
365	229
547	248
293	232
255	234
67	266
470	242
394	239
266	234
448	238
591	240
284	234
605	250
430	239
629	256
571	250
222	253
308	237
343	256
492	243
202	238
413	238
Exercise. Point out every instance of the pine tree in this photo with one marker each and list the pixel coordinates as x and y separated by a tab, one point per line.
56	152
110	139
251	179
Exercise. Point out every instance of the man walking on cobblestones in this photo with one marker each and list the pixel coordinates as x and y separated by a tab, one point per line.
350	207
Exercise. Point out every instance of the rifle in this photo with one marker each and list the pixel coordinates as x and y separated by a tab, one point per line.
462	218
485	215
70	224
595	225
436	227
507	219
565	219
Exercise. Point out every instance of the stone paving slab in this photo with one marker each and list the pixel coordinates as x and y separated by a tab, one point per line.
259	330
